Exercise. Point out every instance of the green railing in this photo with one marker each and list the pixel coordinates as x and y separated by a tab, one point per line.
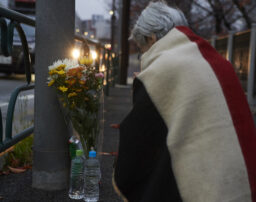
7	32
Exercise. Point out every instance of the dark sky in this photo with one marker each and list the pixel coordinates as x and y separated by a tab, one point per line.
85	8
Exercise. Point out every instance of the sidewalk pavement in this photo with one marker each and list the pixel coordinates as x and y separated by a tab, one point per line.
17	187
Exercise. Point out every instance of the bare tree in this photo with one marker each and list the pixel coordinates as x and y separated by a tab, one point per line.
241	7
209	17
222	15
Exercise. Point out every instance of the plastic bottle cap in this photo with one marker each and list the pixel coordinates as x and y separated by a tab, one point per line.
92	154
79	152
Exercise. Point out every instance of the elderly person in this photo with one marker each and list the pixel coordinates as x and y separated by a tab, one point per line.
190	135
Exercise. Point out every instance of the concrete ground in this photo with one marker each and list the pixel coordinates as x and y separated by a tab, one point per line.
17	187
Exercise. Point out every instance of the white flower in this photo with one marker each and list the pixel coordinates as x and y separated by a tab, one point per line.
70	64
55	65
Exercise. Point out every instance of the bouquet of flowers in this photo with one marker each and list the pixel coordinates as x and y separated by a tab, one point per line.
78	85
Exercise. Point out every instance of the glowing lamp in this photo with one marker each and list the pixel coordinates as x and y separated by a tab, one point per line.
76	53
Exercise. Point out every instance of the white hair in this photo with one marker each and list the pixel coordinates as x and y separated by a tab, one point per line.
157	18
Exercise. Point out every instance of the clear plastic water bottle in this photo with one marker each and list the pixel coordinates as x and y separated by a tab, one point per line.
74	144
92	176
76	188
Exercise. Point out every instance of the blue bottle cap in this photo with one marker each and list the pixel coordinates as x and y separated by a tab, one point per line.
92	154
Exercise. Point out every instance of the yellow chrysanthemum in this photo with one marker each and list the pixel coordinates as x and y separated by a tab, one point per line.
61	67
72	94
64	104
63	89
51	82
86	61
53	71
61	72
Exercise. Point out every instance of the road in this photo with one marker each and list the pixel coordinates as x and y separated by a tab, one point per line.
24	108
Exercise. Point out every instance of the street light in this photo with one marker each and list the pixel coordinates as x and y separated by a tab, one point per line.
111	12
94	55
108	46
76	53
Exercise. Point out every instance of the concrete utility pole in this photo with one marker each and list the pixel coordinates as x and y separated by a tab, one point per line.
124	43
54	39
113	21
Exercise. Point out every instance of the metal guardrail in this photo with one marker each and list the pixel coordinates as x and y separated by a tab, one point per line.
7	31
235	48
240	48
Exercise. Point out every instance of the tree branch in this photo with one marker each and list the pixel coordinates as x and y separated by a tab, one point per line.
201	19
198	5
242	10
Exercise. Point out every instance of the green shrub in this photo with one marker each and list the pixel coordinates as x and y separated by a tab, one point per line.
21	155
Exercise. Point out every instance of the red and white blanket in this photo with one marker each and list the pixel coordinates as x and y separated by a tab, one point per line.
190	135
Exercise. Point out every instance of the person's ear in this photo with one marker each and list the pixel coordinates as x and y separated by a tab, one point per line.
151	40
154	39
